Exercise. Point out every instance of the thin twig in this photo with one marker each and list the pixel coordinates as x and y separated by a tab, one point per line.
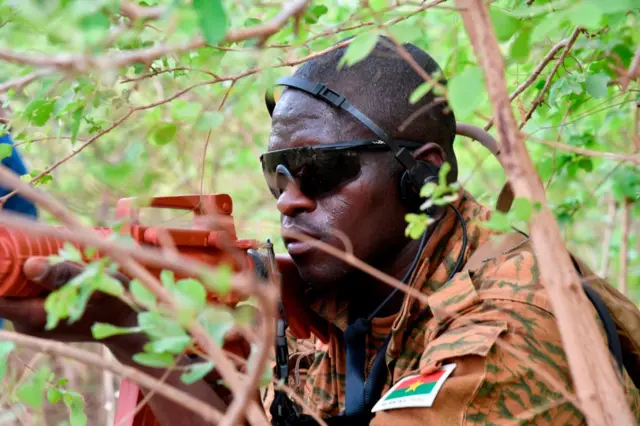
84	63
631	158
19	83
547	84
634	71
176	395
135	269
548	57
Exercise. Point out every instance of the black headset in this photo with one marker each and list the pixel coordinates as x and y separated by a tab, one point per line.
417	172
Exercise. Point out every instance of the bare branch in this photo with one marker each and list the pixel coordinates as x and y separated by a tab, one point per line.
176	395
601	396
548	57
634	71
83	63
136	12
631	158
19	83
547	83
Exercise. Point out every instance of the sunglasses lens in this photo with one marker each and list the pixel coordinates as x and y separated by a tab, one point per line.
317	172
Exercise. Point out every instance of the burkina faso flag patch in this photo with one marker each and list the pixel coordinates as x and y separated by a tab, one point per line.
415	391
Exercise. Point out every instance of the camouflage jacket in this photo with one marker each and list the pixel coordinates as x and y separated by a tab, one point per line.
495	323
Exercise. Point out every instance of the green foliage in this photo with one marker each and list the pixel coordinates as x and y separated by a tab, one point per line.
164	147
196	371
5	349
212	18
466	91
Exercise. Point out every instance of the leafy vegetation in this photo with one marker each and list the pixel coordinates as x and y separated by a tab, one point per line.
193	120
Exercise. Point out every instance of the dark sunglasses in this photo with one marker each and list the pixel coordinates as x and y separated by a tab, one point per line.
319	169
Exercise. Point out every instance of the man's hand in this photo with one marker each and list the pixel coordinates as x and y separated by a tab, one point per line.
29	316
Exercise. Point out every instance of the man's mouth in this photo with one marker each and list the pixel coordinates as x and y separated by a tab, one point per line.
297	240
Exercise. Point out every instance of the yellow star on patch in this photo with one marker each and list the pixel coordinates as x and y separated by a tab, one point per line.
414	386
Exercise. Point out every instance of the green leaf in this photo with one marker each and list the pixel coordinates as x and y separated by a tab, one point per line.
109	285
597	85
5	349
218	281
522	208
504	25
38	112
193	291
562	87
173	344
359	48
75	126
612	6
153	360
167	277
54	395
163	134
32	390
498	222
158	327
5	150
101	330
520	48
141	294
77	417
196	372
406	32
186	111
586	15
212	19
378	4
419	92
217	321
465	92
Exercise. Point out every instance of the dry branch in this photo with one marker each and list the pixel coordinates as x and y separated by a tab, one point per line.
135	269
547	83
83	63
602	396
634	71
176	395
529	81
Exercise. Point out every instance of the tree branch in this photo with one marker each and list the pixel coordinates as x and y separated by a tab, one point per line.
135	269
547	84
601	396
176	395
82	63
19	83
631	158
548	58
634	71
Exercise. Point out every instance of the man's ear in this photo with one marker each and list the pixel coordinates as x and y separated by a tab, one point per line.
432	153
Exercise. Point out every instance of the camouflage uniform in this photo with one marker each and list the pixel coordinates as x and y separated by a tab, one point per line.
495	323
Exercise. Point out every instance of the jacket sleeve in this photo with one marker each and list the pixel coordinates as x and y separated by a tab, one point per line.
511	368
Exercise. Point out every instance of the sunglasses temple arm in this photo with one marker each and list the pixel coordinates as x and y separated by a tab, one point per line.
480	135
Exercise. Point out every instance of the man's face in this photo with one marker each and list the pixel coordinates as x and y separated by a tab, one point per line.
366	210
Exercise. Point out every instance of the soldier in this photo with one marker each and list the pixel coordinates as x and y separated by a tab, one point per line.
481	346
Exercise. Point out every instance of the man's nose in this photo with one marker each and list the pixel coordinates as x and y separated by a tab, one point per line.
292	201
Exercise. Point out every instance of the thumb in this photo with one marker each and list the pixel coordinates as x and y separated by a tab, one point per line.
51	277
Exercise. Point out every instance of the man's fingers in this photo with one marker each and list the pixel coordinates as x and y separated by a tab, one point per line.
52	277
26	313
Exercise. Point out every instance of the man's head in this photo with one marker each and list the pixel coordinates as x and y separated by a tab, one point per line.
367	209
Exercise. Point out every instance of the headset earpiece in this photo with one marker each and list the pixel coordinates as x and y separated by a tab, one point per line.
409	194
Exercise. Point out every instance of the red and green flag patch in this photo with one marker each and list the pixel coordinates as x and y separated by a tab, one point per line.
415	391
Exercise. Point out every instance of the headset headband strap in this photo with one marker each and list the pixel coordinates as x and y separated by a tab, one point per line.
322	92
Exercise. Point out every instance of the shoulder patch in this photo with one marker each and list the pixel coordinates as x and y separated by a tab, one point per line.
415	391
